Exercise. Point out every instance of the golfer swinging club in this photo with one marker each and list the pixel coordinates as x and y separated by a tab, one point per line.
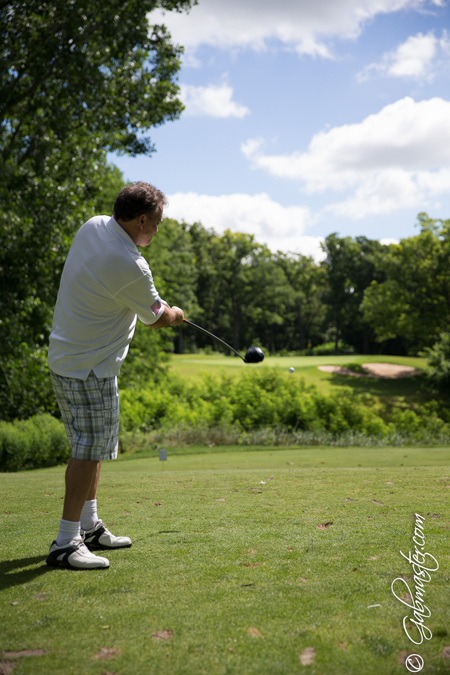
105	284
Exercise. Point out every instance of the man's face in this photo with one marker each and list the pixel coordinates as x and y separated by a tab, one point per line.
149	226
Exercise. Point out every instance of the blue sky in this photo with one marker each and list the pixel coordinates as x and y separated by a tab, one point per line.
306	117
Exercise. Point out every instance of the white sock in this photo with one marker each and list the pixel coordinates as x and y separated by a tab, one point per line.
68	530
89	517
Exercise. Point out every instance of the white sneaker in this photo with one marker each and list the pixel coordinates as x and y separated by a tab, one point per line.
99	537
75	556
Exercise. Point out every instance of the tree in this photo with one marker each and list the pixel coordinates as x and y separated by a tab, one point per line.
78	79
339	264
74	68
171	260
351	266
222	283
108	190
304	306
365	269
438	363
413	303
238	286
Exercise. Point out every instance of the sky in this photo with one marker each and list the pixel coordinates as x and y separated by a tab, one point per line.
307	117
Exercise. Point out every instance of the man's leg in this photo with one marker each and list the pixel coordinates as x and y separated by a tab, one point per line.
92	494
96	535
68	549
89	516
81	481
80	475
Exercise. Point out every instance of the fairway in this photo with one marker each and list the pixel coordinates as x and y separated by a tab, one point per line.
190	363
194	366
241	564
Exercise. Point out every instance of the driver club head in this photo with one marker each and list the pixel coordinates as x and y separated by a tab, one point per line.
254	355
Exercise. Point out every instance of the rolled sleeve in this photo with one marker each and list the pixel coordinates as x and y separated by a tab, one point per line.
142	298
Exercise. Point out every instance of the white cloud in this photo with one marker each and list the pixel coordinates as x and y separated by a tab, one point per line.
212	101
393	189
397	158
280	227
444	43
387	241
414	58
304	25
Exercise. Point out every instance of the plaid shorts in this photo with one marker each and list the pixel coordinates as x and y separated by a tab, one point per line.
90	412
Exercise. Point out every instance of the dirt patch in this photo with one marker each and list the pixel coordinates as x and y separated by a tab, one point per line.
107	653
254	632
162	635
307	656
386	371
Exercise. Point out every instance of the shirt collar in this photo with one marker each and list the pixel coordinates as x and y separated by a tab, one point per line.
117	230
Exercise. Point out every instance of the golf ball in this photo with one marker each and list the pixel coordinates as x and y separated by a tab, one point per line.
291	370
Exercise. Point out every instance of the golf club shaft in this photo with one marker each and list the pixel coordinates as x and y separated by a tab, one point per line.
202	330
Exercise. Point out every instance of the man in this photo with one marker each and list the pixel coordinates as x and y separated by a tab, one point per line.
105	285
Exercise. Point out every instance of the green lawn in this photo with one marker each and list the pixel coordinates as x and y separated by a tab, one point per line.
193	366
254	457
229	557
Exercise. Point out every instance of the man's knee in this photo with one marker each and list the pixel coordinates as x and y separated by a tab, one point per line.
83	465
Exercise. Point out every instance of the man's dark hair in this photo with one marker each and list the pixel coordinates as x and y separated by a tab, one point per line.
138	198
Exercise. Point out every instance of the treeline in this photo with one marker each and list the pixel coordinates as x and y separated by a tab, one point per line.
364	296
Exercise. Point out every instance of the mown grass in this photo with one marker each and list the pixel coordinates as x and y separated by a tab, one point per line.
193	366
245	584
255	457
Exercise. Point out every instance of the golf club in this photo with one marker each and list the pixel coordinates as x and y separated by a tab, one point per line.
253	354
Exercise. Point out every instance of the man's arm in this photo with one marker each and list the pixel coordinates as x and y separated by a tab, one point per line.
171	316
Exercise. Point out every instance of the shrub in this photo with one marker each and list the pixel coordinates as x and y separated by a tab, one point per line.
25	386
29	444
327	349
265	403
257	399
438	363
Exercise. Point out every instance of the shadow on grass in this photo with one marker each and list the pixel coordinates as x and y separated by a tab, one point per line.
411	387
10	578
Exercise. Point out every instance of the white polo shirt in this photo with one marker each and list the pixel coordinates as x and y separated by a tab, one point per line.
104	285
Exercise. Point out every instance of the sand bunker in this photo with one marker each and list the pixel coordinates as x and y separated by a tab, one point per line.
387	371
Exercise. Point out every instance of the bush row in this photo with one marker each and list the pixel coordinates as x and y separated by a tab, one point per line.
29	444
266	398
261	407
